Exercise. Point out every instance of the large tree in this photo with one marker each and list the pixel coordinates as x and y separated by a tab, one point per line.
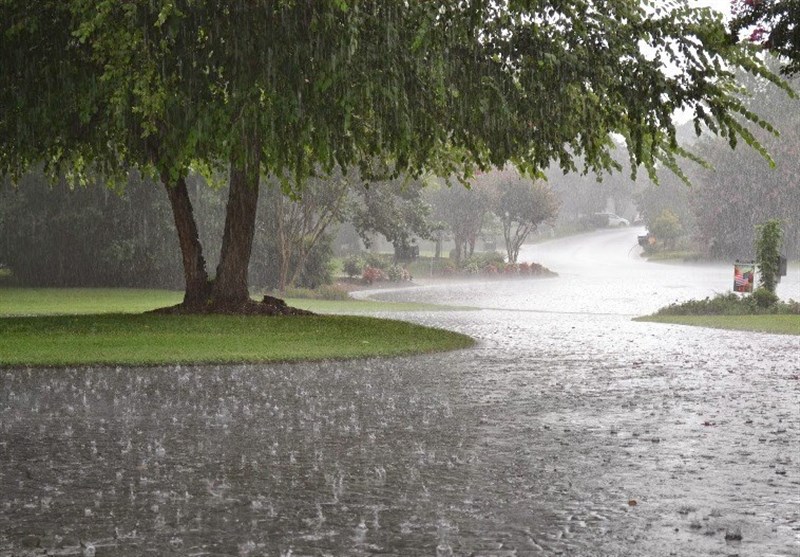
291	88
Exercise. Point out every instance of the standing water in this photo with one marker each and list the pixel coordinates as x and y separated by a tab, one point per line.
569	429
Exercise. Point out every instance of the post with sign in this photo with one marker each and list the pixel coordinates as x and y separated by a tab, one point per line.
743	276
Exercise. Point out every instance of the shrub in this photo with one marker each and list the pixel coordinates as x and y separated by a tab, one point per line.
483	262
318	268
539	270
373	274
492	258
471	266
333	292
667	227
764	297
397	273
378	261
762	301
353	266
324	292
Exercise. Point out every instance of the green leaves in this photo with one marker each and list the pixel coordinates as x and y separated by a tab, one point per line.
768	243
430	86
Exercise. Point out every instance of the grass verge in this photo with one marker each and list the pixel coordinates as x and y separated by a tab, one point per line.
776	324
70	301
130	339
77	301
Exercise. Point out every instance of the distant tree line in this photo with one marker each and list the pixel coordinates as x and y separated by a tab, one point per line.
92	236
64	235
739	190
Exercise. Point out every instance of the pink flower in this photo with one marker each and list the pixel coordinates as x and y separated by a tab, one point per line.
757	34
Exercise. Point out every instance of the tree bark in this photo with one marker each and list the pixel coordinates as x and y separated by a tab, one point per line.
230	286
194	265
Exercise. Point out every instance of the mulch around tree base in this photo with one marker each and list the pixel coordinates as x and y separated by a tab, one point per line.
267	306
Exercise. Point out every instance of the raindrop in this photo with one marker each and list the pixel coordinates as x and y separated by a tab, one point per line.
443	548
360	533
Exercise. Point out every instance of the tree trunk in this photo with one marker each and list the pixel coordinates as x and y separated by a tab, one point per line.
228	293
459	241
230	286
194	265
284	249
507	239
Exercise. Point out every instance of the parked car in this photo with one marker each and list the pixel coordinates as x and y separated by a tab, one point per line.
612	219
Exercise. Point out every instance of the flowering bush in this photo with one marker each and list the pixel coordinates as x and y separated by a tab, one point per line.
373	274
397	273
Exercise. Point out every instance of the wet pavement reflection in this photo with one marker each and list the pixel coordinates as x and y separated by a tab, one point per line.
568	430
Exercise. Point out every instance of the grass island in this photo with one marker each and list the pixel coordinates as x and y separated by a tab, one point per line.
72	327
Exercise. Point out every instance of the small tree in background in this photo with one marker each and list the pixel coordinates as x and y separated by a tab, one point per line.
462	212
667	228
768	242
522	205
393	208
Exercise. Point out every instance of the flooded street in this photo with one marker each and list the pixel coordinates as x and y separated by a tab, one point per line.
568	430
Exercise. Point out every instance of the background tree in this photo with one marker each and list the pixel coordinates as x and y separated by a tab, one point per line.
671	196
393	208
768	245
285	88
293	236
772	24
752	190
55	235
463	212
521	205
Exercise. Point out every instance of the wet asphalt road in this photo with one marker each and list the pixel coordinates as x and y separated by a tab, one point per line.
568	430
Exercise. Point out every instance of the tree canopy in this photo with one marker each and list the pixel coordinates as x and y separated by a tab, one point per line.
775	24
294	88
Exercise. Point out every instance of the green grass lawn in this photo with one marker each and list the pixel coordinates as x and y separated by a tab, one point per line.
777	324
63	327
74	301
70	301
